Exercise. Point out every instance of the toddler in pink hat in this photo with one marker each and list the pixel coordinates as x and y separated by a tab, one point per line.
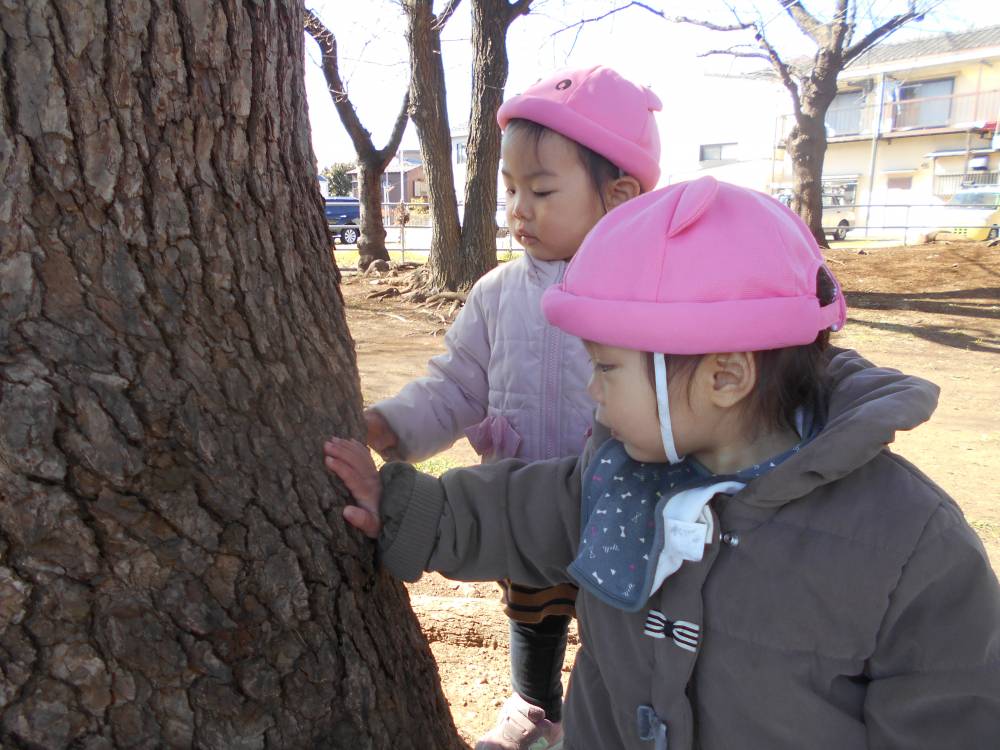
575	145
756	568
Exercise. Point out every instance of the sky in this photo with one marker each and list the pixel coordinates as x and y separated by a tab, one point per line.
374	60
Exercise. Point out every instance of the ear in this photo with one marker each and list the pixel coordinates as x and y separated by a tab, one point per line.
733	377
619	190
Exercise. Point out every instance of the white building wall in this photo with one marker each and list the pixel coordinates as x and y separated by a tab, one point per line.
726	110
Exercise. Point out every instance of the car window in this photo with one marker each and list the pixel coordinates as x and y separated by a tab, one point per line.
976	198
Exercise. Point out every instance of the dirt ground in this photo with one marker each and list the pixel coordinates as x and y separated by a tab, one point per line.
931	310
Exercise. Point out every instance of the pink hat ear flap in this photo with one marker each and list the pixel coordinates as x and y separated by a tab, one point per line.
653	103
695	200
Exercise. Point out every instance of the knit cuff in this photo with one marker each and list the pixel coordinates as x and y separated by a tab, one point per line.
412	504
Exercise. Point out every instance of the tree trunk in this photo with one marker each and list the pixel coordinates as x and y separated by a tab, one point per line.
429	112
807	141
174	571
490	21
807	148
371	161
371	245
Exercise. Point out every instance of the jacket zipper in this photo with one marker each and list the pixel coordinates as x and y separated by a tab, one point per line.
550	386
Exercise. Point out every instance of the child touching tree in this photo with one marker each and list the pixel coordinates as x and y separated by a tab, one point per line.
757	568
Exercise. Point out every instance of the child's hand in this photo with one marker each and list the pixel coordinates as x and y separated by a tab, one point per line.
381	438
352	462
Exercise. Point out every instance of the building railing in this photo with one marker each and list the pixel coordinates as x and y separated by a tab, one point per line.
949	184
894	223
907	115
910	223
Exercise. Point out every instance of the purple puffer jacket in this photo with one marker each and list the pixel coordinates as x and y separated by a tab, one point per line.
510	382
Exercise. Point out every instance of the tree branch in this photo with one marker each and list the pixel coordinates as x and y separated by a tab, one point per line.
386	152
655	12
852	14
361	138
807	24
517	8
733	52
783	70
739	26
881	32
442	18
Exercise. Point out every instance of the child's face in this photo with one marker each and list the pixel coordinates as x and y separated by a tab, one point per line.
551	199
626	402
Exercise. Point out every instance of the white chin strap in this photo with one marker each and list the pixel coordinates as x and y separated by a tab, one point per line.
663	408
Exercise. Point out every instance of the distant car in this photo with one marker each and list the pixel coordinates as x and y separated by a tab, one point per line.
838	216
973	213
343	214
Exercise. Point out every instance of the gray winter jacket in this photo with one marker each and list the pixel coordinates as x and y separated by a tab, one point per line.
843	603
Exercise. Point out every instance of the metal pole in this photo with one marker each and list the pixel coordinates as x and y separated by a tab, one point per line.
968	153
876	134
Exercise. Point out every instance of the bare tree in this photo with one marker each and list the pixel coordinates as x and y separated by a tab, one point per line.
811	84
460	254
371	161
429	111
491	20
174	571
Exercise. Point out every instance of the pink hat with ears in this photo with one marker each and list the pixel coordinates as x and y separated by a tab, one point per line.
711	267
599	109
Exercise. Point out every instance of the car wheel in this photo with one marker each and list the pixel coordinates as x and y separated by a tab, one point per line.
840	233
349	236
993	233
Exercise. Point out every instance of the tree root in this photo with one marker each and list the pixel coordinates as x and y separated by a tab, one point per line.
384	293
412	286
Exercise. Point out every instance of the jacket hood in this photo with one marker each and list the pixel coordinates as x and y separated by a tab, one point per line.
868	406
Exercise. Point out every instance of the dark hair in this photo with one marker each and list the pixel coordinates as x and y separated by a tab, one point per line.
787	379
599	169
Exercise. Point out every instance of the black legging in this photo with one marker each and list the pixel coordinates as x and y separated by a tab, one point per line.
536	659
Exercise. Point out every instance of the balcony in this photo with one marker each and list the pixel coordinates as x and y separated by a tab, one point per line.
919	116
949	184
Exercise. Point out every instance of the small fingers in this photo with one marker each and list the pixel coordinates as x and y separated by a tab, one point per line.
361	519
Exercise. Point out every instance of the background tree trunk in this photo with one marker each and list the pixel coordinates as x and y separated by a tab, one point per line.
371	244
807	148
429	112
490	21
174	571
371	161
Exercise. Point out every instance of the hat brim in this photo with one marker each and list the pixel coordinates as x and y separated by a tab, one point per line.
688	327
619	151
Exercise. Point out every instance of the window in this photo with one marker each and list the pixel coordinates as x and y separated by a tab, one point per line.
844	115
900	182
717	152
460	153
839	192
924	104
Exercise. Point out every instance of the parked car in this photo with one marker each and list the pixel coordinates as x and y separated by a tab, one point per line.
343	214
973	213
838	213
838	216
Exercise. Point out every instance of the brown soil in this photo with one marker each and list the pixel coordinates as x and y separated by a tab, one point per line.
931	310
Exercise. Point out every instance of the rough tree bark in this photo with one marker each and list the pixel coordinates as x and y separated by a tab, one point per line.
371	161
491	20
173	567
